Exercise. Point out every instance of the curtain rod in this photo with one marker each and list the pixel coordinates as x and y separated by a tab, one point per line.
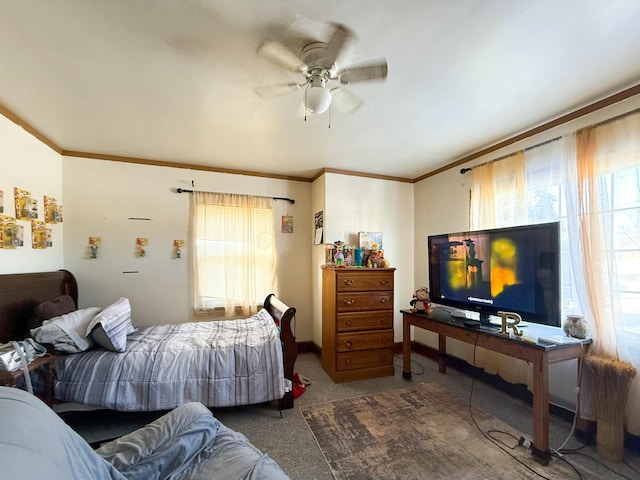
468	169
290	200
598	124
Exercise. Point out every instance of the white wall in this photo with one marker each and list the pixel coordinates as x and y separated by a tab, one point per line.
318	196
103	195
442	205
29	164
354	204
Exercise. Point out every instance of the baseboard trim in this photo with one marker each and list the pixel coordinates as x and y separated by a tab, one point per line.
308	347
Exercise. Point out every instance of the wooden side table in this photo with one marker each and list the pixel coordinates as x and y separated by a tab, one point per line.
9	379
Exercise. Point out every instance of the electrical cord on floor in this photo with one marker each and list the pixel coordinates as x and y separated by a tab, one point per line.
576	451
561	451
595	460
558	450
412	362
501	445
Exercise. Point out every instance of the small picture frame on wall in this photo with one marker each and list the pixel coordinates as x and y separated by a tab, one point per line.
318	222
287	224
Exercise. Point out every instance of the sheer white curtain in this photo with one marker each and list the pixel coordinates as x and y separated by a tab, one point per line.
482	212
233	258
498	198
603	204
590	182
498	193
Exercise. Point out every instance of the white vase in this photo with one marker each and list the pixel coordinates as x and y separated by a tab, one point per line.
575	326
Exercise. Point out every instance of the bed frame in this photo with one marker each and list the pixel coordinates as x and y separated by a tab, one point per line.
20	293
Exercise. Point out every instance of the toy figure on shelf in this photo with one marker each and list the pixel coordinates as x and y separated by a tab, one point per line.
376	259
421	301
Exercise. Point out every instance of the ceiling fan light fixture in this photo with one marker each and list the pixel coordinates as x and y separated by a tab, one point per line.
317	98
325	69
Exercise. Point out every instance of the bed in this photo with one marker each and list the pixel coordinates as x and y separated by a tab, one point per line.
173	363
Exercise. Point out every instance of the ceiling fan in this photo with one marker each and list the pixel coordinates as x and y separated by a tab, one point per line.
324	73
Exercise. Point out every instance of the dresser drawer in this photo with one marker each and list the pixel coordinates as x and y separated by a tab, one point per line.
358	301
358	281
347	342
349	322
381	357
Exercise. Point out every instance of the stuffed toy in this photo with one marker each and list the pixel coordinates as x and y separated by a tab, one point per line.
376	258
421	302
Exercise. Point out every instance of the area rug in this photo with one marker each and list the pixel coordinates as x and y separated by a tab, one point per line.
418	433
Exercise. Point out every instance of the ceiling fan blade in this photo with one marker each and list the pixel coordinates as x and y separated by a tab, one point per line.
275	90
282	56
346	101
362	73
339	45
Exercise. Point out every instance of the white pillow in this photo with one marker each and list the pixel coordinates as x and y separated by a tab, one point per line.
111	326
67	333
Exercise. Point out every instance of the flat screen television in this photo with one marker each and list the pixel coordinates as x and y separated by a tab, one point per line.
514	269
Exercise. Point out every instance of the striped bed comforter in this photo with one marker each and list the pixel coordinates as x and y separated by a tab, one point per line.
220	364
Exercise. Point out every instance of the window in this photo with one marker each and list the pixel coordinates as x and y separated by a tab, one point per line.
234	252
619	209
621	190
589	181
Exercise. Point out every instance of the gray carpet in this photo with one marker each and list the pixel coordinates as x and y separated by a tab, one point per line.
290	442
407	433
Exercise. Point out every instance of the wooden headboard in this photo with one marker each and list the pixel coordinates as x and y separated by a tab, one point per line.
20	293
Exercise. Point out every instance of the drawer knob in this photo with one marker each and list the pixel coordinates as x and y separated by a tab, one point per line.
348	281
382	320
349	301
348	323
384	300
384	281
348	344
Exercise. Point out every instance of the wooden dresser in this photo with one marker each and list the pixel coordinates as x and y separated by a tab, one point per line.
357	322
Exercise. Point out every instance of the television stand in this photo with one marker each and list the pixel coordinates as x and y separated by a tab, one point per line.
540	355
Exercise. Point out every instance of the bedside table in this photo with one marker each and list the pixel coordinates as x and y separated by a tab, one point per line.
9	379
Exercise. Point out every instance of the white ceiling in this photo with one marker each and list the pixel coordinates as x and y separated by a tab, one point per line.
173	80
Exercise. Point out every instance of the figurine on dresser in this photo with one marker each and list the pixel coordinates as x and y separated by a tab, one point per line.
339	257
376	259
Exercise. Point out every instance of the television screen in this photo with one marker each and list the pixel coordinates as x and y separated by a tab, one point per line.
506	269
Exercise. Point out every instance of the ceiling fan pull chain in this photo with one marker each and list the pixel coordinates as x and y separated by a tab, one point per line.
329	117
305	104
